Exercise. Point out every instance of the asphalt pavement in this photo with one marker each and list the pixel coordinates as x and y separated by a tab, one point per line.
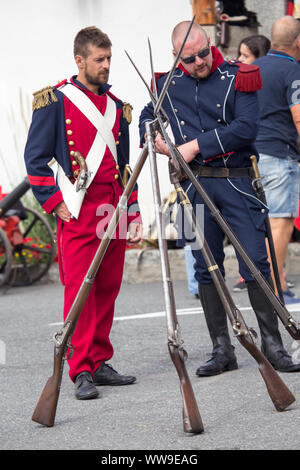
235	407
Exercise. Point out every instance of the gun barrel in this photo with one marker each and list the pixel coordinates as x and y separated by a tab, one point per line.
9	200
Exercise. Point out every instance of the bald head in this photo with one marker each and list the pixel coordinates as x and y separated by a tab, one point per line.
180	31
285	32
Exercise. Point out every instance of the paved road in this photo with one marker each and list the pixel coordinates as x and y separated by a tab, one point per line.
235	407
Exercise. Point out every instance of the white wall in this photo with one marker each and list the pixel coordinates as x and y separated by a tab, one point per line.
36	50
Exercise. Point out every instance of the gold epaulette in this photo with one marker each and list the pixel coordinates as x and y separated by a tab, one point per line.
43	97
127	108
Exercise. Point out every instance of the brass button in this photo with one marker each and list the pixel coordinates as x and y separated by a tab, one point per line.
76	172
68	121
74	163
117	142
71	142
182	123
69	132
222	78
120	133
218	105
72	153
116	177
117	167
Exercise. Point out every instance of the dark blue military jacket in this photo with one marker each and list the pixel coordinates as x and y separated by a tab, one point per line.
221	112
47	138
222	118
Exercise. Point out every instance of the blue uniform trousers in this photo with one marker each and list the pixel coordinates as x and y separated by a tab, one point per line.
235	199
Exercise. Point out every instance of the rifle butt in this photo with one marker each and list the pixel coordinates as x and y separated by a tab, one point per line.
279	393
192	422
45	409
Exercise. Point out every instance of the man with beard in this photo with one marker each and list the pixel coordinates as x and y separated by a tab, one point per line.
82	115
213	113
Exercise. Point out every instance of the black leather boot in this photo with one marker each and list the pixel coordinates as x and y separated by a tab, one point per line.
271	341
223	357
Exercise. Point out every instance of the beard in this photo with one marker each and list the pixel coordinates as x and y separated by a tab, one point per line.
202	72
96	80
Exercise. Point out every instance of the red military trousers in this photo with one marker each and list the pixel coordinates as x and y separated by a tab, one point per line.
77	244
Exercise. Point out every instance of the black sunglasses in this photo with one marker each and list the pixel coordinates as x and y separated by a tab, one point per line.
191	59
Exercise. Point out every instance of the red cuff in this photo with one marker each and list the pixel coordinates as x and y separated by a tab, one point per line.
52	202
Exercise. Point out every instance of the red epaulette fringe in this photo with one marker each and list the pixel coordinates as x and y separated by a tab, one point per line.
248	77
157	75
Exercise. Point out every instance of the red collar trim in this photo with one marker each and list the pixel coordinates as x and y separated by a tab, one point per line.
217	61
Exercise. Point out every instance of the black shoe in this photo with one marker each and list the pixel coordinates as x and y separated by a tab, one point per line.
106	375
271	341
84	387
216	365
240	286
284	363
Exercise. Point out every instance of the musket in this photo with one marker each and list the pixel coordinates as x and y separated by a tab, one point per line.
284	315
291	325
258	187
192	422
279	393
45	409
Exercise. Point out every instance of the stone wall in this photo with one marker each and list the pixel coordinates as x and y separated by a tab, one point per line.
267	12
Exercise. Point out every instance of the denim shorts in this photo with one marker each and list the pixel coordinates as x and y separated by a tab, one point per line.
281	182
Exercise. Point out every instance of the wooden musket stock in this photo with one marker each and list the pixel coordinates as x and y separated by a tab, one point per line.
278	391
284	315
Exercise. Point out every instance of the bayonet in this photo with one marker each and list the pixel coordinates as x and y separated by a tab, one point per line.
167	82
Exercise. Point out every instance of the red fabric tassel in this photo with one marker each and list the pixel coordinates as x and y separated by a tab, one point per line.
248	78
157	75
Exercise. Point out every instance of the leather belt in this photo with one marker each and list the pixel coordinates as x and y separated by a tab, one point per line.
220	172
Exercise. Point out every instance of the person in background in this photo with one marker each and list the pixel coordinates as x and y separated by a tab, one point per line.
250	49
190	271
253	47
278	133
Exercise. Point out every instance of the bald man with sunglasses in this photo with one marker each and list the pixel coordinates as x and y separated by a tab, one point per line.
213	112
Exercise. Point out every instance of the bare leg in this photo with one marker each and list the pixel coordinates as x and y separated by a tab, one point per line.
282	229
